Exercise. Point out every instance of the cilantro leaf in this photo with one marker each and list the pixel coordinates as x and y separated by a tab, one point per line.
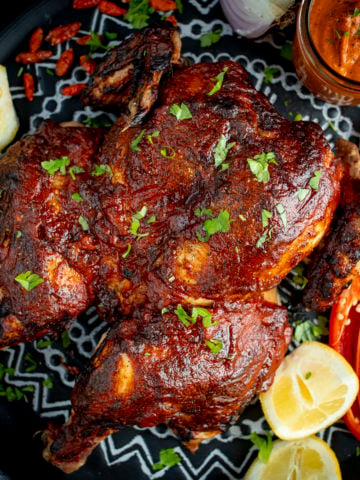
29	280
138	13
259	165
75	169
205	211
221	151
181	112
215	225
167	151
286	51
302	193
77	197
310	329
215	345
208	39
218	81
315	180
135	224
168	458
265	216
84	223
56	165
179	6
101	170
135	143
264	445
128	250
269	73
183	316
150	137
281	210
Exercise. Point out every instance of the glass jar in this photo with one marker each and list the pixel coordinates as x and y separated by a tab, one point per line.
313	71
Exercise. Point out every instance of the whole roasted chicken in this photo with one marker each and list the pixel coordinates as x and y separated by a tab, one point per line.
175	224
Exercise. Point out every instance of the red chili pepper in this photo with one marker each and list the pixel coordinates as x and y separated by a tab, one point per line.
172	20
163	5
62	33
110	8
65	61
36	40
33	57
344	337
72	90
79	4
88	64
29	86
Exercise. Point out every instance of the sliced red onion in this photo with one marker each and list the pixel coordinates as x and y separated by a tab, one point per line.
252	18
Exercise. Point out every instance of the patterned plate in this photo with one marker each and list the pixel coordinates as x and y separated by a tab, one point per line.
36	379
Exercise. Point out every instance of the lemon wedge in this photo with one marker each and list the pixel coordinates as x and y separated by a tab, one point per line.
308	457
313	388
9	123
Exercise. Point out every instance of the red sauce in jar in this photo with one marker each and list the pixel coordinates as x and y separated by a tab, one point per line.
335	32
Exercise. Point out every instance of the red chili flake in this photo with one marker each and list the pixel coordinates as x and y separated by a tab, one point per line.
110	8
79	4
71	90
172	20
64	62
163	5
33	57
62	33
36	40
29	86
88	64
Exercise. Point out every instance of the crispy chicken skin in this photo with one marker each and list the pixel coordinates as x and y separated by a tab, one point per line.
335	263
152	369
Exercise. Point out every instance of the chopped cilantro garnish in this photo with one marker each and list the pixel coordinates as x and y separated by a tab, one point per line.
19	234
111	35
29	280
215	345
259	165
315	180
242	217
356	12
181	112
179	6
135	224
196	312
75	169
5	371
310	329
168	458
264	445
167	151
264	237
48	383
139	13
171	279
218	81
135	143
65	339
30	362
56	165
101	170
128	250
50	72
302	193
164	310
204	211
282	213
286	51
84	224
338	34
20	72
151	219
208	39
44	343
77	197
95	43
215	225
97	122
152	135
298	117
221	151
299	277
265	216
307	375
332	126
269	73
183	316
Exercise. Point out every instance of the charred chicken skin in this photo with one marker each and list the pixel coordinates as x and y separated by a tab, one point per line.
207	203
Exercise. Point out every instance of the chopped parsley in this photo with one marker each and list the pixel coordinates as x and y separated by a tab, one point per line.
315	180
77	197
135	224
263	444
29	280
139	13
84	224
259	165
265	216
128	250
134	145
218	81
56	165
208	39
221	151
310	329
215	345
101	170
281	211
168	458
167	151
181	112
220	224
269	73
75	169
153	135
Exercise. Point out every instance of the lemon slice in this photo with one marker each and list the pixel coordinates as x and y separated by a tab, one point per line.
305	458
9	123
313	388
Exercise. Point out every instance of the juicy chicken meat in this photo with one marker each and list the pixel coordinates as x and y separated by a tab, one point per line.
131	380
204	212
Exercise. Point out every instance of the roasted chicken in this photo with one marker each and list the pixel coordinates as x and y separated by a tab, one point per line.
199	199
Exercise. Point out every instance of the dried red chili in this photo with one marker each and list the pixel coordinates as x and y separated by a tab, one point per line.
62	33
110	8
29	86
71	90
163	5
172	20
33	57
79	4
65	61
36	40
88	64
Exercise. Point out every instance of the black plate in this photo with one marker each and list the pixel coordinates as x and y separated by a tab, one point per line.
130	453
